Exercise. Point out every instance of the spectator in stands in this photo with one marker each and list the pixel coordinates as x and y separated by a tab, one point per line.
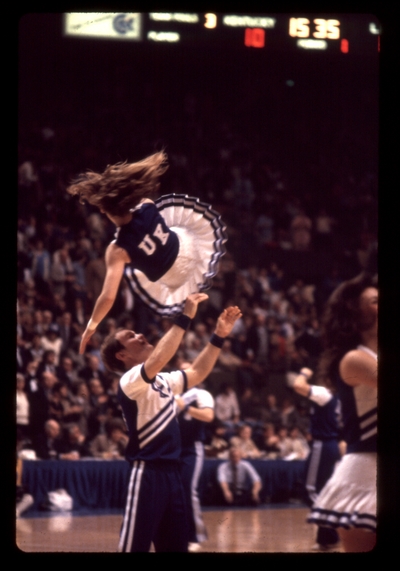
48	319
75	444
250	406
227	360
265	228
192	348
26	323
95	274
52	341
300	228
72	409
324	225
100	408
92	370
289	413
276	346
112	393
66	372
31	377
239	482
268	442
62	273
48	443
23	354
56	409
79	317
66	331
218	446
257	340
276	277
308	341
36	350
227	406
301	449
41	263
48	363
285	444
271	413
112	444
245	443
81	398
110	326
22	407
94	349
39	395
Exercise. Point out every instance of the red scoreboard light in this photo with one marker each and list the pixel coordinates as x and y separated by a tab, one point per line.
344	46
254	37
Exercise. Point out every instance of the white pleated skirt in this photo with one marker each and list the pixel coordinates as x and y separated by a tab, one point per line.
348	499
202	236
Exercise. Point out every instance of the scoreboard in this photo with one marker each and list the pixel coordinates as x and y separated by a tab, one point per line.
334	33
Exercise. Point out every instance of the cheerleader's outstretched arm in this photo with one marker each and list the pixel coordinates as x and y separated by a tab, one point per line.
115	259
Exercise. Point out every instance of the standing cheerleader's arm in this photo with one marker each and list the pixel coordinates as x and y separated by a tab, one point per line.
359	368
300	384
115	258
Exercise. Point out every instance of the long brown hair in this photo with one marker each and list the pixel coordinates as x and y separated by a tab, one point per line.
341	325
121	186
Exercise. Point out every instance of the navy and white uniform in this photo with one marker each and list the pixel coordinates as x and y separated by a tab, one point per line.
192	459
325	419
175	245
155	507
348	499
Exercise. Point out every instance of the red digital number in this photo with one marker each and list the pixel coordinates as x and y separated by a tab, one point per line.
254	37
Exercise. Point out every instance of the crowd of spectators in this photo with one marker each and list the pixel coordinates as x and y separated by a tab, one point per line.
277	222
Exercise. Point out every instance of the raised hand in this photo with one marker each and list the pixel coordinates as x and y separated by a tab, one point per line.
308	373
192	302
227	320
87	334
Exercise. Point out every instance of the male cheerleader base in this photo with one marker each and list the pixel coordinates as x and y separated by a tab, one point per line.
155	507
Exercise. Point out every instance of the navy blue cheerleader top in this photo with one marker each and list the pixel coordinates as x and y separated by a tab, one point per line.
359	416
150	244
325	420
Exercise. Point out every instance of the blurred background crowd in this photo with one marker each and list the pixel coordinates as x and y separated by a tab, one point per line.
297	191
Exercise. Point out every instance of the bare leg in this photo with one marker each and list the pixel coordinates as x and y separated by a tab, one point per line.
357	540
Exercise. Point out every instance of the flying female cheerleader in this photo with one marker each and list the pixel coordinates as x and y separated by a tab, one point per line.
167	249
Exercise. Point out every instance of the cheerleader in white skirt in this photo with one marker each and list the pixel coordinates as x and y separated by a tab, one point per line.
348	500
166	249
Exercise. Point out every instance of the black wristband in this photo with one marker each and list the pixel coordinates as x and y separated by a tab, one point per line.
182	321
217	340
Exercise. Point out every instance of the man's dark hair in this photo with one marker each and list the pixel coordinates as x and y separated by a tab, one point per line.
109	348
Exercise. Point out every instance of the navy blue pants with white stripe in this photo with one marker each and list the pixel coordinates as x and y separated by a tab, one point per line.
321	464
191	468
155	509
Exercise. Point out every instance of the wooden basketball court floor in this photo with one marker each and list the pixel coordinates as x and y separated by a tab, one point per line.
267	529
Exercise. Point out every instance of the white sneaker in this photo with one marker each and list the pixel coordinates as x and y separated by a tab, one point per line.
193	547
